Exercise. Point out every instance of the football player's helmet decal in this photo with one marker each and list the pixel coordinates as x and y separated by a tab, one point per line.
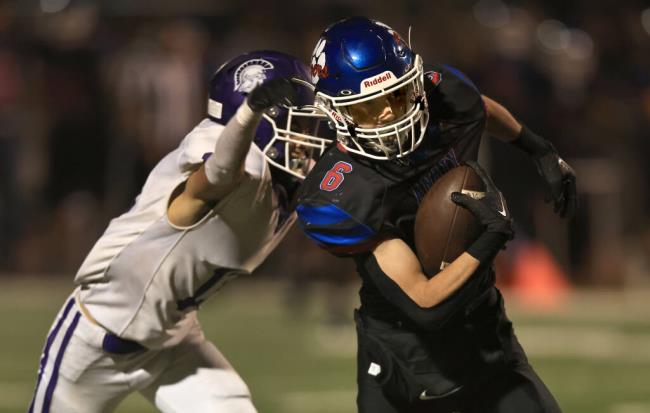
251	74
289	137
370	85
318	64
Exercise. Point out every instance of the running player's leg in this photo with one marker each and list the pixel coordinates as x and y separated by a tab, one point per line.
518	390
370	396
70	379
526	393
373	399
199	379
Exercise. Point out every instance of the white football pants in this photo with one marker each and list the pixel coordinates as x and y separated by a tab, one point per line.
77	376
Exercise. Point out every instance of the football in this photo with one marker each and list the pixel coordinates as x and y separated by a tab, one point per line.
443	230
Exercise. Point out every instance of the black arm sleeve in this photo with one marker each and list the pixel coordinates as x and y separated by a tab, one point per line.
430	319
533	144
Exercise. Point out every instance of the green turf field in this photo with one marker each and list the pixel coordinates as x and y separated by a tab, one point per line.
594	354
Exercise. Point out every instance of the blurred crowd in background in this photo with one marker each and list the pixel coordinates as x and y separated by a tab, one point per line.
94	93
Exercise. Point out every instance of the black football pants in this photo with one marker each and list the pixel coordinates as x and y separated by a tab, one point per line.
516	390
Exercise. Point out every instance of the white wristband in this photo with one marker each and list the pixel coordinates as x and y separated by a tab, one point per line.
245	115
232	146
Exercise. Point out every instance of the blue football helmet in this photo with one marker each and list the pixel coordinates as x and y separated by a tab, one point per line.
287	136
370	84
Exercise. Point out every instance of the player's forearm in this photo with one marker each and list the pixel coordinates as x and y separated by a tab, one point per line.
409	296
396	260
397	273
448	281
225	165
500	123
453	276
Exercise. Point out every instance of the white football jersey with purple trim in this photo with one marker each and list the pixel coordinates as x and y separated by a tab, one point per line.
144	277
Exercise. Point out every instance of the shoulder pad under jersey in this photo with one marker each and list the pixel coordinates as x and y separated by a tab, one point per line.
451	94
340	204
198	145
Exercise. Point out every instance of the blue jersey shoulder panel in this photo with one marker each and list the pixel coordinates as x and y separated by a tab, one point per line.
462	76
330	225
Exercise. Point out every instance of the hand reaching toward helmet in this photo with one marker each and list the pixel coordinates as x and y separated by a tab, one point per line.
276	91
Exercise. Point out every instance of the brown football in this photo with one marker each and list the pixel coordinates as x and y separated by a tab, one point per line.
443	230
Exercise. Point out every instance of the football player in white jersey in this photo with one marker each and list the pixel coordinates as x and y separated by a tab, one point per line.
211	209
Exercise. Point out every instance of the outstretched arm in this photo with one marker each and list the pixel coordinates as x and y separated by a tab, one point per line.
559	177
500	123
224	169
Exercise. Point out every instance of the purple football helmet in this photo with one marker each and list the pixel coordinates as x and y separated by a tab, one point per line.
288	136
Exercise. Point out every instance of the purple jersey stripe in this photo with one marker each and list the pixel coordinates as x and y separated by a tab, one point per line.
57	363
46	351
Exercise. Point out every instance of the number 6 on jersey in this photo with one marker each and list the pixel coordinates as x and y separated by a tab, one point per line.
334	177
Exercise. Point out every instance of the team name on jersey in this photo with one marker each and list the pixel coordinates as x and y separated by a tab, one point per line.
426	181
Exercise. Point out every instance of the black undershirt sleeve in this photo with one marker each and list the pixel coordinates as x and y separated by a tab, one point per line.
430	319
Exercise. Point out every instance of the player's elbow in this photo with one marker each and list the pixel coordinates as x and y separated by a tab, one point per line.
491	108
215	188
427	312
428	318
428	302
425	297
225	177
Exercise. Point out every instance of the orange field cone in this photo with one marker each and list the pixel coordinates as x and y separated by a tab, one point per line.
536	278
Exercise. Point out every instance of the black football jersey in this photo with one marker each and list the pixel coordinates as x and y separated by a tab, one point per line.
349	203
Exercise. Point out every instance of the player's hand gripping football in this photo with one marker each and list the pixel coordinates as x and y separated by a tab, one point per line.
491	210
276	91
560	182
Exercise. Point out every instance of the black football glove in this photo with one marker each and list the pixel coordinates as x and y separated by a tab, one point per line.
559	177
492	212
560	183
276	91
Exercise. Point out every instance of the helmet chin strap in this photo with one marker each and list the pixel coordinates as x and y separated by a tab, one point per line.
383	148
352	129
371	145
419	100
380	146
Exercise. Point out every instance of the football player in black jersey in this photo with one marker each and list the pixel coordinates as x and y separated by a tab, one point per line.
439	344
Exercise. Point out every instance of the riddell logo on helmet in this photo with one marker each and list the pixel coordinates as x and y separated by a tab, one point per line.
379	81
336	116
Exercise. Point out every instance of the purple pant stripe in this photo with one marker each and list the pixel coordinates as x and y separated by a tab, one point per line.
57	363
46	351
